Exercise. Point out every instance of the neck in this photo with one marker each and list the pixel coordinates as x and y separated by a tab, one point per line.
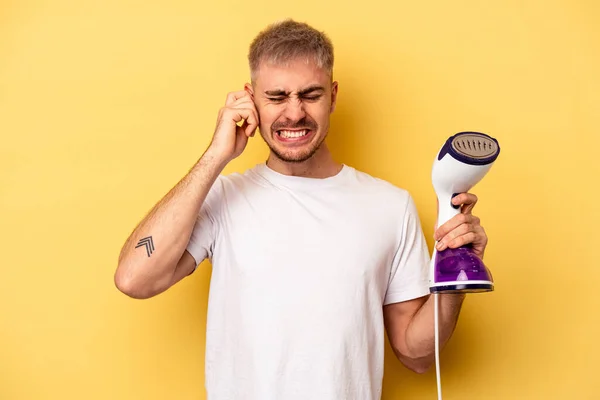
321	165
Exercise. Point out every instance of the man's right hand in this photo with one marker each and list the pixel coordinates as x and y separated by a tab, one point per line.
170	224
230	139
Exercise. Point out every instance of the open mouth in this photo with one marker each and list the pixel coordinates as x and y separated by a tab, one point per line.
293	135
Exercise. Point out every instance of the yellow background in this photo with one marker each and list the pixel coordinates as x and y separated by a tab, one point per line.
104	105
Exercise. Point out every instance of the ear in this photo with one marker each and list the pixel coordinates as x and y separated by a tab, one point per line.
334	91
248	88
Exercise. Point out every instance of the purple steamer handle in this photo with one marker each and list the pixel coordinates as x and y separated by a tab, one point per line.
461	264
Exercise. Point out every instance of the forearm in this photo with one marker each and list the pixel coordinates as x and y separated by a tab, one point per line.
420	334
145	269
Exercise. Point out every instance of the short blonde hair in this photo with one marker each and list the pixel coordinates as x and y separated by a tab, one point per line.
288	40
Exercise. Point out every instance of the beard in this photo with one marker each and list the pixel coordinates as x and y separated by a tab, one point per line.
294	155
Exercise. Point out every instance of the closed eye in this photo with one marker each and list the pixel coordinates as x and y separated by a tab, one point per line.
309	98
312	98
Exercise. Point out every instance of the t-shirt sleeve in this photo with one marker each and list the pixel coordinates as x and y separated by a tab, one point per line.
410	265
202	240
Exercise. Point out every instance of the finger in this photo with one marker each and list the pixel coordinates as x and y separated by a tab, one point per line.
481	235
452	224
246	103
250	117
238	114
241	130
248	128
462	240
233	96
241	139
467	200
477	238
242	101
459	231
252	124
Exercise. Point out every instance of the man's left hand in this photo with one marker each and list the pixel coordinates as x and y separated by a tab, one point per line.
463	228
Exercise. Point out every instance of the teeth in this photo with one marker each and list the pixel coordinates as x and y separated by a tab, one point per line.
292	134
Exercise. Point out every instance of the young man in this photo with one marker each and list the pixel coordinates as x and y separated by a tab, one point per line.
311	258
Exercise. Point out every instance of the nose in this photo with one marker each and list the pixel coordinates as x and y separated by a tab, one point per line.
294	110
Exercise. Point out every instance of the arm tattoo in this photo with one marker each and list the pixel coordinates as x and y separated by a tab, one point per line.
147	241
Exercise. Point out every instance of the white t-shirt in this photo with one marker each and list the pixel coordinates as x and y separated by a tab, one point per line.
301	270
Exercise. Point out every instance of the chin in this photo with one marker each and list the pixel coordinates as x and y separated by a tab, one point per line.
295	156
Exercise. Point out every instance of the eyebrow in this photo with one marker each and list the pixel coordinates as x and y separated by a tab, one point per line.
310	89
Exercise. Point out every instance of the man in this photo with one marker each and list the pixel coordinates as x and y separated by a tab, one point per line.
311	258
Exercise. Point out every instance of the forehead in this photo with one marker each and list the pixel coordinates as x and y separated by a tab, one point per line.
290	76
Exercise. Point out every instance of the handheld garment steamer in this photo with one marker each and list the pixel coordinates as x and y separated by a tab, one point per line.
460	164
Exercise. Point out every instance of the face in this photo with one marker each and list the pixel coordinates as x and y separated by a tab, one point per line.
294	103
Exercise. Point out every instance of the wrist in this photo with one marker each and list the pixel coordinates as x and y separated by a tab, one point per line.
214	159
453	298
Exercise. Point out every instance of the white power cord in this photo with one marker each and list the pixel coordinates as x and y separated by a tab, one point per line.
437	345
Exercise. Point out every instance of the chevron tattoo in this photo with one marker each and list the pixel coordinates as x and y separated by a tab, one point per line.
148	243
